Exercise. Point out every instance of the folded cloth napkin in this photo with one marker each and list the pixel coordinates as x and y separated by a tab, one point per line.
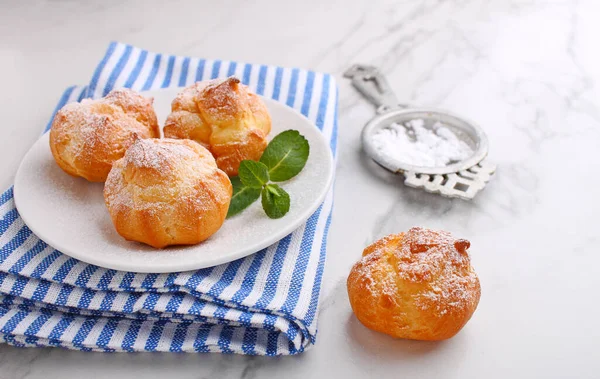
264	304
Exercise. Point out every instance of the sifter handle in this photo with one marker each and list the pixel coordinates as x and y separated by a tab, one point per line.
373	86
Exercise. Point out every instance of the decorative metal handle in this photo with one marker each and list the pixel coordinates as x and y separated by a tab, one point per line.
373	86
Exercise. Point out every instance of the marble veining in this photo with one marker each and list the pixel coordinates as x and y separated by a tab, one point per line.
525	70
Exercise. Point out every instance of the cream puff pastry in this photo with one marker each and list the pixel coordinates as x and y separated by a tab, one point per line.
167	192
416	285
87	137
223	116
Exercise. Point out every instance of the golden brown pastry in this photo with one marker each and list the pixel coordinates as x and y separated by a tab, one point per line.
418	285
87	137
167	192
223	116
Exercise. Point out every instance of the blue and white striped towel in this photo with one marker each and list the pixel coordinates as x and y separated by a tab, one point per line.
264	304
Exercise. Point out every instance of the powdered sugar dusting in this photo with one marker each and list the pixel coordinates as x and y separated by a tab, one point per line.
148	153
433	261
414	144
127	99
88	125
223	95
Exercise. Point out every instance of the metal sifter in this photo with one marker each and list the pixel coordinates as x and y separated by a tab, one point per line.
462	179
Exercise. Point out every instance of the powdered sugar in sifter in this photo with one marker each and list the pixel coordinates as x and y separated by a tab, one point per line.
463	178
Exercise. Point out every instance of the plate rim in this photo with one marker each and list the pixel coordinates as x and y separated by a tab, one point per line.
304	214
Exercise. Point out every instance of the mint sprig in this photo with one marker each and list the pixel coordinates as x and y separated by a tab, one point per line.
284	157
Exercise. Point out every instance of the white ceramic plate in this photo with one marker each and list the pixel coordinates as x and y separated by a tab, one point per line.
69	213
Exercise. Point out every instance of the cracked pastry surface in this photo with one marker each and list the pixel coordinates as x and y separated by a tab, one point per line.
224	117
167	192
416	285
87	137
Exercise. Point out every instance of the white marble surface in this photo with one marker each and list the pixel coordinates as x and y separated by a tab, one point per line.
525	70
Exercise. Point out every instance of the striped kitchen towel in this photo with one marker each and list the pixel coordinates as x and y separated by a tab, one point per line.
264	304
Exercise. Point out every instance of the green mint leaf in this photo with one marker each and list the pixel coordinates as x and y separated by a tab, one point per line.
242	196
253	174
286	155
275	201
